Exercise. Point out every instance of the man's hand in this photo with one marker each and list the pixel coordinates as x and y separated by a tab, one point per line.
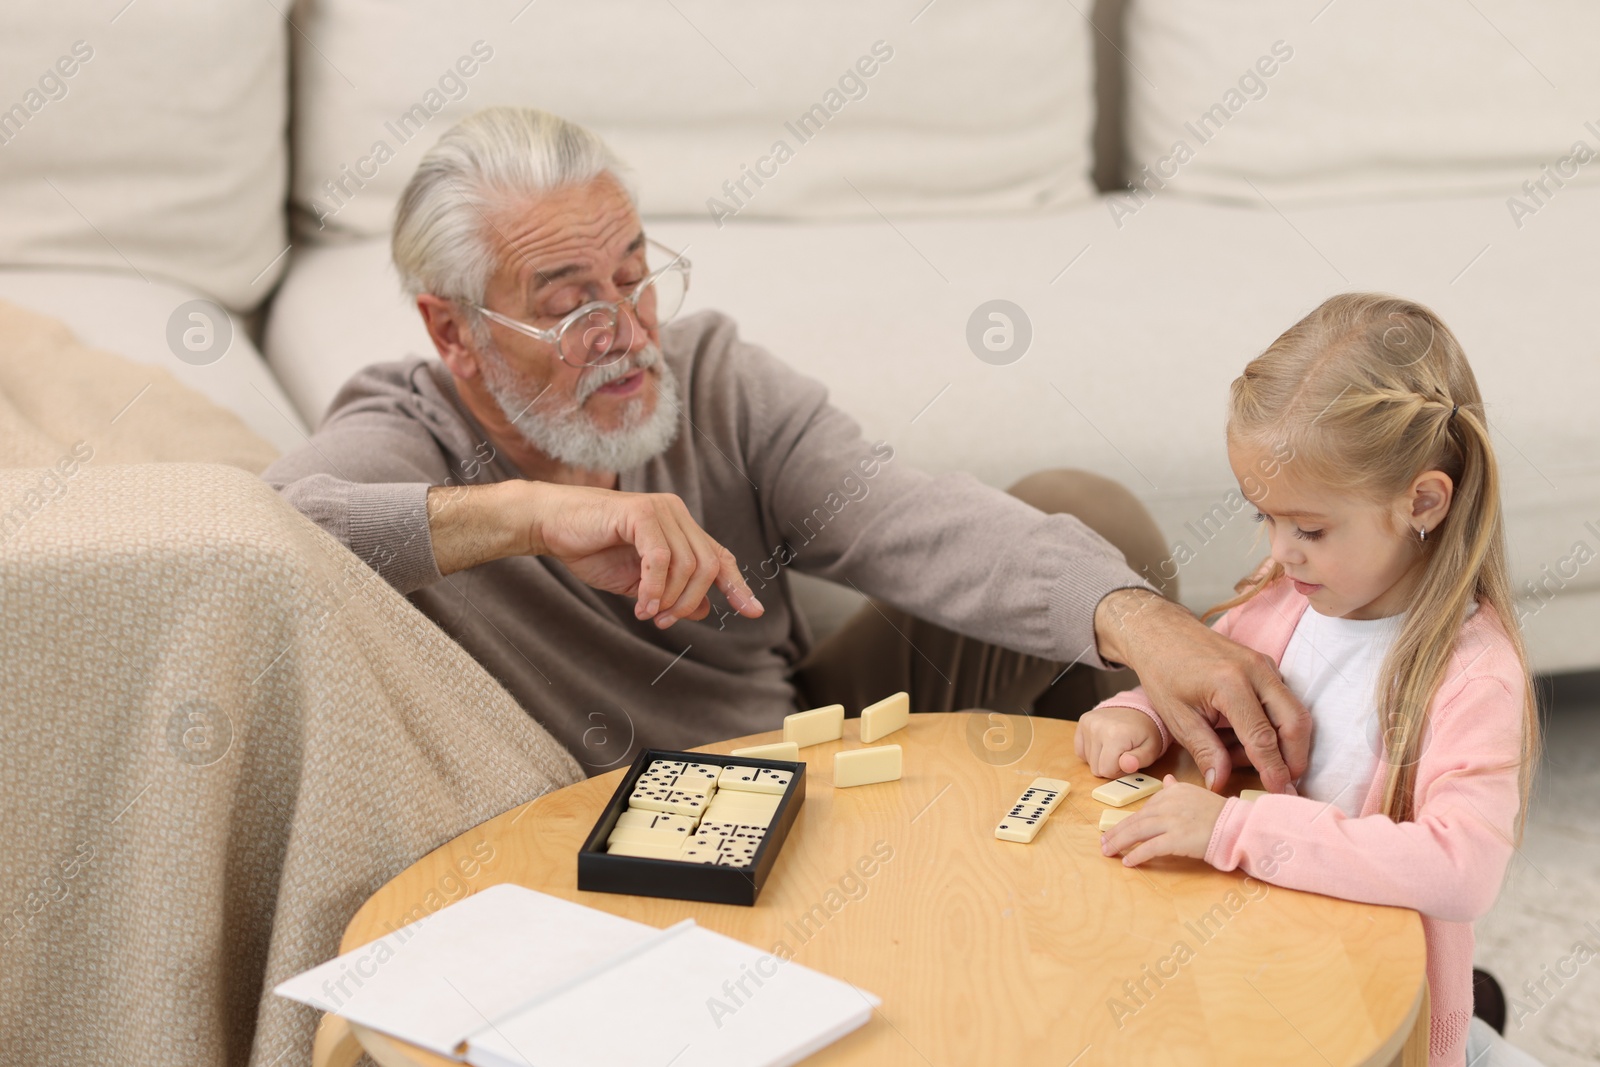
641	545
1198	680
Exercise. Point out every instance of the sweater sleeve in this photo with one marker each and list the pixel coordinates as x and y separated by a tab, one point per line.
1447	864
945	548
1135	698
364	478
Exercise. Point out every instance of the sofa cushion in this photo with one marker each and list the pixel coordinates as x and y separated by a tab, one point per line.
63	404
146	323
1136	334
903	112
148	140
1319	99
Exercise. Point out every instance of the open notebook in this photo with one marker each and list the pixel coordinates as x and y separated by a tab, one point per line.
510	977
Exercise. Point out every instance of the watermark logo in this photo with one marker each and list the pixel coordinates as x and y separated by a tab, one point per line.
1137	993
1153	177
999	740
853	487
851	887
607	737
1555	577
999	332
199	733
356	969
52	888
852	86
1537	992
1407	342
199	332
52	86
45	490
1536	193
450	87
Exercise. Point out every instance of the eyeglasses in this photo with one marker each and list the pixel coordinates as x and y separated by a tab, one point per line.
598	333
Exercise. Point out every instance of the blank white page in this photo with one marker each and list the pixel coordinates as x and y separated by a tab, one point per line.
442	978
679	1002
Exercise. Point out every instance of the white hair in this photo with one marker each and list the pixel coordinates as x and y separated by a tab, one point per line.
442	224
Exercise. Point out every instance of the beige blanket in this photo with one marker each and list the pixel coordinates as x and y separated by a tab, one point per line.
221	732
55	391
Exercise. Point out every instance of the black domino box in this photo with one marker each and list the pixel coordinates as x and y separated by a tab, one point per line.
601	872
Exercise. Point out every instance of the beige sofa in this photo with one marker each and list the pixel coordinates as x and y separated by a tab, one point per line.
939	156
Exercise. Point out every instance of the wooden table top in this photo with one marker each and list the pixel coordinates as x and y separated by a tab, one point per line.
985	951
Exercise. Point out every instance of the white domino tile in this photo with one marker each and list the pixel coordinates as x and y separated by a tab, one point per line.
747	799
673	836
780	750
1023	822
648	850
752	831
866	766
814	727
689	778
885	717
723	851
665	767
660	798
1108	819
750	809
677	812
640	818
1127	789
754	779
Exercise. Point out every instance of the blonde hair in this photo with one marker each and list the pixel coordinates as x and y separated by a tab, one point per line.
1364	394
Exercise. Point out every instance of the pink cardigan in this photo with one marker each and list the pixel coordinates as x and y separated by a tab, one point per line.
1449	862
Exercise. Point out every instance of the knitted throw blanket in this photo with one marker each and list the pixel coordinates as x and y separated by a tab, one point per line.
219	731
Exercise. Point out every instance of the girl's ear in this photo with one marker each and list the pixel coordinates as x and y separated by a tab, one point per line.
1429	500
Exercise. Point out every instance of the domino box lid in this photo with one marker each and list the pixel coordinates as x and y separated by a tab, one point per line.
601	872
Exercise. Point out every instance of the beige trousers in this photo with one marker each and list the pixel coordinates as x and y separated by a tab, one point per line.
882	650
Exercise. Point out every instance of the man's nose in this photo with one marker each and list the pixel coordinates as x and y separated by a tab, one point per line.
632	335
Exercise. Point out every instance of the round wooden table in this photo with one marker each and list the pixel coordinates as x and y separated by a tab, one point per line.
987	952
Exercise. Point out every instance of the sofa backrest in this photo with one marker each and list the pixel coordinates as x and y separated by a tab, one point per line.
831	108
147	138
153	138
1298	101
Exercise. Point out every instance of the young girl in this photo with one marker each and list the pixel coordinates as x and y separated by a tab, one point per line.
1387	606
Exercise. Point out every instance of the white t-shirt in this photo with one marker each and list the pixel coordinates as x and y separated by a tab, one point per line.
1332	665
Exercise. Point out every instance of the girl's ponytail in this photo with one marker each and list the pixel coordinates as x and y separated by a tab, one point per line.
1466	563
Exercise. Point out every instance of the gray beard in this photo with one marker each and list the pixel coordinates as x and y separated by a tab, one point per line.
568	436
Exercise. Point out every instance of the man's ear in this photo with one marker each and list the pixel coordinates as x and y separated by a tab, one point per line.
452	335
1429	499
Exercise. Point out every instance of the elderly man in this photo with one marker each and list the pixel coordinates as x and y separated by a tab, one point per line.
602	507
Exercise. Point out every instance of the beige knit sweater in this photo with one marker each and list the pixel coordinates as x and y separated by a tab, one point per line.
771	470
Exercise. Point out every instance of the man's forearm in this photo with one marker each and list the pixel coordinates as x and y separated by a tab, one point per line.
1116	628
475	524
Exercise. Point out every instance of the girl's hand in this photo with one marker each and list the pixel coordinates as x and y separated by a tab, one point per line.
1117	741
1178	821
